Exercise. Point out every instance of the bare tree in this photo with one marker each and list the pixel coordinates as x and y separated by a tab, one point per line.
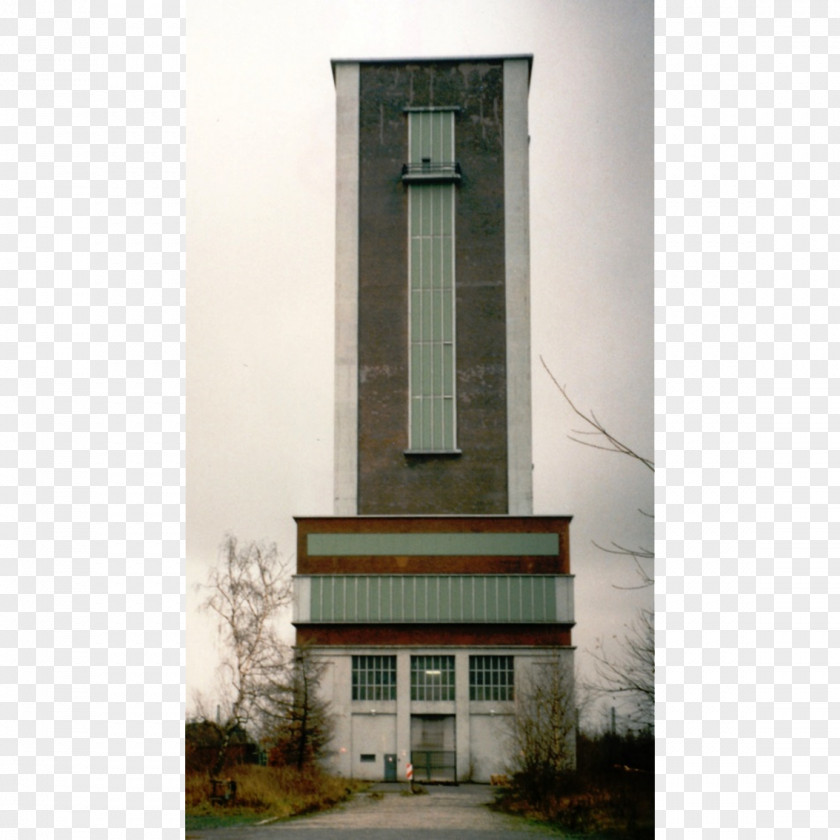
543	729
596	436
629	671
246	590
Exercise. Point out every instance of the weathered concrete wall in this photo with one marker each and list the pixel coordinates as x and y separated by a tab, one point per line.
482	728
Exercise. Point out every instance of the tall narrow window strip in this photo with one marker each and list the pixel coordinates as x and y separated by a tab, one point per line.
431	225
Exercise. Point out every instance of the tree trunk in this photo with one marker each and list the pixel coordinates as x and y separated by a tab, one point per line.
223	748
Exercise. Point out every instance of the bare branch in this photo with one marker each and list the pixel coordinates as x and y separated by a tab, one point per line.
597	428
630	671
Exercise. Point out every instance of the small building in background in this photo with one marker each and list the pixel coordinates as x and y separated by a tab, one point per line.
432	590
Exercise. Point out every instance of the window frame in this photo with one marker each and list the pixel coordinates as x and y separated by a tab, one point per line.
432	349
492	678
433	678
373	677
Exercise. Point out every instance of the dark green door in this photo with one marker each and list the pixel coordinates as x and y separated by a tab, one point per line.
390	767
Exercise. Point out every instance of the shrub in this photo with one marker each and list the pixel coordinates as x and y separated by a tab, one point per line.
203	740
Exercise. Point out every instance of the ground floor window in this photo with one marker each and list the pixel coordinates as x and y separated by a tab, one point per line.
491	678
432	677
374	678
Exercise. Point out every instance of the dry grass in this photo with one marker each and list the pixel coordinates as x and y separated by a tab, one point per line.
268	792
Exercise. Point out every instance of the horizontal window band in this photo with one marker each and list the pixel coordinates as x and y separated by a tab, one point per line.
434	544
455	599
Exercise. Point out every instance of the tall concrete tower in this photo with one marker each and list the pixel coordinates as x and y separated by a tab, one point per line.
432	589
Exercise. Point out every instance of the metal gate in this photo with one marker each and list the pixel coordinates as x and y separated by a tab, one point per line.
433	748
434	765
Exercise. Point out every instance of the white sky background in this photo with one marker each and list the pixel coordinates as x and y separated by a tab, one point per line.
260	267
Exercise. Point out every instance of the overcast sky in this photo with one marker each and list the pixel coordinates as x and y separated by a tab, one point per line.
260	267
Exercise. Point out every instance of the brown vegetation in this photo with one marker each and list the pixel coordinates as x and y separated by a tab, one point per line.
268	792
610	795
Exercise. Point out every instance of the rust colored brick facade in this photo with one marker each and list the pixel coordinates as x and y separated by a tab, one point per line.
437	635
520	564
389	481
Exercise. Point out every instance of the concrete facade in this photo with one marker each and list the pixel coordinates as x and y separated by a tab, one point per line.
432	590
480	730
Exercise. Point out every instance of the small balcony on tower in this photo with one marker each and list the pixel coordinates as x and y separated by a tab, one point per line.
428	171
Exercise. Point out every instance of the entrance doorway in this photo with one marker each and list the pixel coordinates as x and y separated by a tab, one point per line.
390	767
433	748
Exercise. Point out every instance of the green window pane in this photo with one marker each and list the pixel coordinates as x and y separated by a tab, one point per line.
416	370
447	197
504	599
448	370
446	263
527	597
515	600
417	422
437	138
440	440
457	594
437	368
440	201
426	262
448	125
374	602
415	199
416	313
491	598
416	266
426	325
409	609
426	369
431	269
448	321
386	599
414	128
448	423
437	315
427	424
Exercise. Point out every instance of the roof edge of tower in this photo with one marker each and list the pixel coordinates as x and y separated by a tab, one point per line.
436	60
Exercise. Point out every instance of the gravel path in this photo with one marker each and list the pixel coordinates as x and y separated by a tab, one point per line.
386	812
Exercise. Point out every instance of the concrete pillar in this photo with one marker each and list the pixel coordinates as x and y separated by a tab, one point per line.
403	711
336	687
517	286
346	288
462	714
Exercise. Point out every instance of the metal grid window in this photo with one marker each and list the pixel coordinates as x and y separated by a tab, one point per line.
491	678
431	228
432	677
374	678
